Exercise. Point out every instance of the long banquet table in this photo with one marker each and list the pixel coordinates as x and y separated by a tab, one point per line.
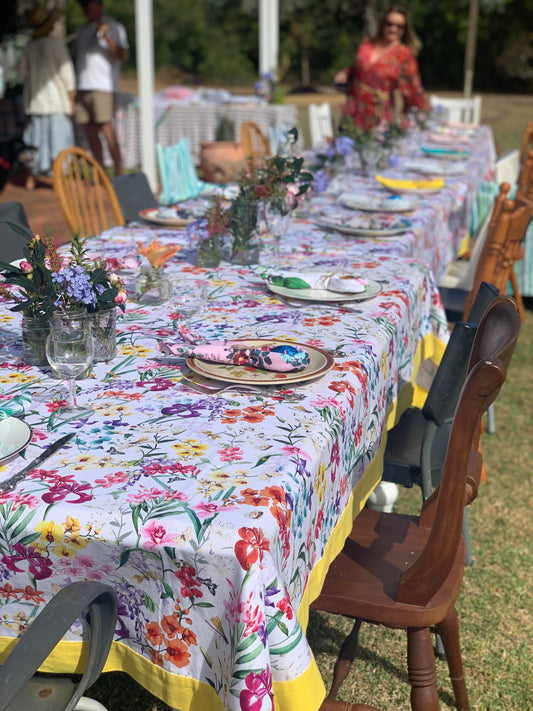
215	517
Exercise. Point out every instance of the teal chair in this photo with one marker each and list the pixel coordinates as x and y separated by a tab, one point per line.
179	180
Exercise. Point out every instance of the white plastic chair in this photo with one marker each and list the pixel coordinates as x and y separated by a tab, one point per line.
21	690
507	168
320	123
459	110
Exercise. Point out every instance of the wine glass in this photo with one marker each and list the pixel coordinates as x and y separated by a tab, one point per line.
371	154
70	351
277	217
189	297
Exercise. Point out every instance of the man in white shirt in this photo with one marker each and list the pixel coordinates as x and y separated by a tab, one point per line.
101	47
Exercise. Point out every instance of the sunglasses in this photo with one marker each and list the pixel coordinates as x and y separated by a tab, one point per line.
395	24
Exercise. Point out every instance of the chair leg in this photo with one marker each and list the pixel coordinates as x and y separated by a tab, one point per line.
345	659
449	631
517	295
421	668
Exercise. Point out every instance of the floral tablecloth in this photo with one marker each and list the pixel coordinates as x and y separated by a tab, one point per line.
440	222
213	517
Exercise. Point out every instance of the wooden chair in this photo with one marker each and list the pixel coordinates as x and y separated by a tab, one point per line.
527	141
320	123
255	145
459	109
21	690
405	572
509	222
85	193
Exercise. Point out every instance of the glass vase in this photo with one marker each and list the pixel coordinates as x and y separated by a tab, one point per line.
244	228
208	252
152	287
35	331
104	329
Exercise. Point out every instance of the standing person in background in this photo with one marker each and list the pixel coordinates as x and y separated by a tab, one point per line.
383	65
101	47
48	93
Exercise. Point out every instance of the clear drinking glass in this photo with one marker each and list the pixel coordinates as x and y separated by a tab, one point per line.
277	217
70	351
189	296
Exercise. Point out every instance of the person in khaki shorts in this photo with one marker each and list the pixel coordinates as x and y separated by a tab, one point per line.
101	47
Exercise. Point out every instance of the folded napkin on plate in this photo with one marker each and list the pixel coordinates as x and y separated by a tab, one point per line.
393	184
315	280
282	358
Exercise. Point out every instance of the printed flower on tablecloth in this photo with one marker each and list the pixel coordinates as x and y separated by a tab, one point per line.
249	549
258	686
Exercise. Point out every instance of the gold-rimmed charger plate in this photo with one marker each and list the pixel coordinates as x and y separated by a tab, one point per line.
151	215
320	363
326	295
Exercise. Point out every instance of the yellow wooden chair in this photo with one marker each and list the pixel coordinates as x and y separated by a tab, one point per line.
255	145
85	193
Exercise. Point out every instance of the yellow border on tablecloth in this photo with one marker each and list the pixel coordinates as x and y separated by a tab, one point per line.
306	691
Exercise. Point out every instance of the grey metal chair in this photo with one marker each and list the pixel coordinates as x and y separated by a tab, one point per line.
21	690
13	226
134	194
416	446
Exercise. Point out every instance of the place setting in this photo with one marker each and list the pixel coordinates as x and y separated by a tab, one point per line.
368	203
300	289
368	225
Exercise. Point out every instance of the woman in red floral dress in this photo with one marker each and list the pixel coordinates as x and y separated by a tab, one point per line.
384	65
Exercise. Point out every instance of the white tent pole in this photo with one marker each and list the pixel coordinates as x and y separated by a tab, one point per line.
144	33
470	52
264	38
268	36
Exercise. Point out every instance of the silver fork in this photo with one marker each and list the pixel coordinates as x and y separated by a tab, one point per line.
216	389
241	390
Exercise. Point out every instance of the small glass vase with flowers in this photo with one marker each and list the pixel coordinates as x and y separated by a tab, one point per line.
45	283
275	178
152	286
209	234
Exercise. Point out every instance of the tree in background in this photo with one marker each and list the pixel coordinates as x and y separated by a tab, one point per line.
216	41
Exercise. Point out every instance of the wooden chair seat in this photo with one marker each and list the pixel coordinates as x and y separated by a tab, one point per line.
366	574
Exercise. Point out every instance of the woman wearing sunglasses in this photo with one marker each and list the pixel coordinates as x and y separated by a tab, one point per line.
385	71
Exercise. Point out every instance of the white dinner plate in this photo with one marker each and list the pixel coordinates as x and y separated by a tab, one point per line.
151	215
14	437
368	226
320	363
326	295
377	204
431	166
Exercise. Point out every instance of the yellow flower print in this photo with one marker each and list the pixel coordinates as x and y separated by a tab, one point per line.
222	282
6	318
50	531
106	409
141	351
190	448
76	542
87	461
17	378
321	483
72	526
63	551
40	546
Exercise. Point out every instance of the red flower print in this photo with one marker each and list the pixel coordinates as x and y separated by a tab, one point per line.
285	606
254	498
251	546
153	633
177	652
171	625
257	687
